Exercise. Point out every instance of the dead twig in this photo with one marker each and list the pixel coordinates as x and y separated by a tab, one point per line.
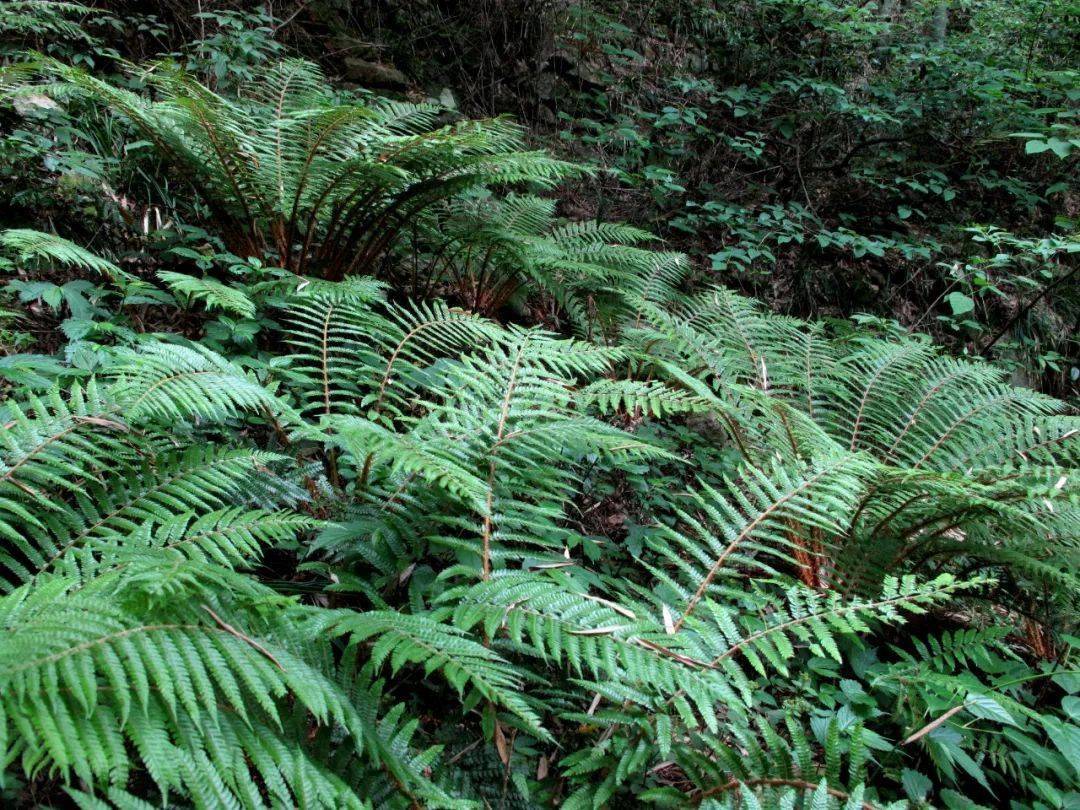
228	628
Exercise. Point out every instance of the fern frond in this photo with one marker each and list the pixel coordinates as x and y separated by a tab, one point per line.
51	17
628	396
768	515
806	617
174	383
401	639
350	359
137	667
30	245
631	655
212	293
200	480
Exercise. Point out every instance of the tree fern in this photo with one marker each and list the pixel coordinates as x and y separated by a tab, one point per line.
945	459
325	184
486	250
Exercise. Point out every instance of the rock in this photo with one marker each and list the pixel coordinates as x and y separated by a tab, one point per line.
544	85
375	75
351	47
446	98
697	61
31	103
576	70
546	115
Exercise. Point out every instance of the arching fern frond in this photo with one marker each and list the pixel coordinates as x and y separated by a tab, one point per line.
350	358
29	245
171	382
199	480
768	516
465	664
211	293
133	667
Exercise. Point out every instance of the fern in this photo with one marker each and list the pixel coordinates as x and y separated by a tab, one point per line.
55	19
771	513
460	660
34	246
352	359
212	293
123	576
731	777
327	186
664	560
165	382
488	250
501	435
142	660
935	462
449	453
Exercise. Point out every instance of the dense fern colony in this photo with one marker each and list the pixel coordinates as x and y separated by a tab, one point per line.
390	549
329	183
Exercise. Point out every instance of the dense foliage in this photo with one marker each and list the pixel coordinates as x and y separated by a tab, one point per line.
343	465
